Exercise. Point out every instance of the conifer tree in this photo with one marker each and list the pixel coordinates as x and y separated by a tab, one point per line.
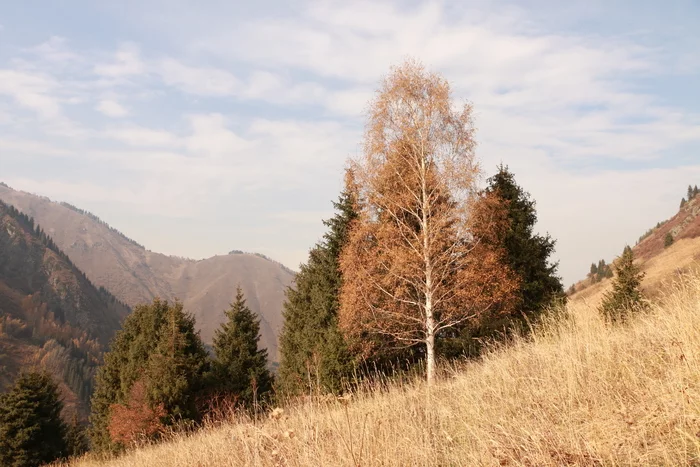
175	372
625	295
32	432
240	368
695	191
668	240
528	254
683	201
314	353
593	270
691	192
153	335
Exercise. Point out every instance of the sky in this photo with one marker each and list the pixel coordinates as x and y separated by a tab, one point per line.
197	128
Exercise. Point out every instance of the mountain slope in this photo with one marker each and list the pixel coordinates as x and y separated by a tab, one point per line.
658	262
50	313
136	275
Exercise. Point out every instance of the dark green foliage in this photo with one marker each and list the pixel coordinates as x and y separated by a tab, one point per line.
240	368
690	192
77	442
158	345
528	254
625	295
668	240
32	432
600	271
314	354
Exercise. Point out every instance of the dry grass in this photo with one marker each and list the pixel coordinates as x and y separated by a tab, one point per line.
579	393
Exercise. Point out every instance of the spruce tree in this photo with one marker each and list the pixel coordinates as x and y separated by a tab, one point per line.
32	432
690	192
240	368
625	295
314	354
153	335
175	372
683	201
528	253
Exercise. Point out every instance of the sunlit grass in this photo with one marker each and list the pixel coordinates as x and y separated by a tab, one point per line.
581	392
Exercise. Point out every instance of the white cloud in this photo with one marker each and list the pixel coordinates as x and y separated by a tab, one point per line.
127	62
198	80
33	91
142	137
111	108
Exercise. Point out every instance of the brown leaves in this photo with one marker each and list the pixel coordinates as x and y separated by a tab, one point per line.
416	260
135	420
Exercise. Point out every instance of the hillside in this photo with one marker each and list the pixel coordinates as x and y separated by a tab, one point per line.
581	392
50	313
136	275
657	261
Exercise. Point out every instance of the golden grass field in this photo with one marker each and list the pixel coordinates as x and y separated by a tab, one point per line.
580	392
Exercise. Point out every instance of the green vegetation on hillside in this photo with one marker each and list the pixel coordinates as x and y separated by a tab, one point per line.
32	432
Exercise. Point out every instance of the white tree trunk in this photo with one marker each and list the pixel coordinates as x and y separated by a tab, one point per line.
429	343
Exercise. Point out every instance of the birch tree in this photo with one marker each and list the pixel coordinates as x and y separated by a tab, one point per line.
412	266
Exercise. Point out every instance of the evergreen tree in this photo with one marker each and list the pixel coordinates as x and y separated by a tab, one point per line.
625	295
528	253
314	353
695	191
668	240
240	368
175	372
32	432
683	201
690	192
594	270
153	335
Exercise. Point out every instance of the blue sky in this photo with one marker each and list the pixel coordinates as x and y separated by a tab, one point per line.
199	129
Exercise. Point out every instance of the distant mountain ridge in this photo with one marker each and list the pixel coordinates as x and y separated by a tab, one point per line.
51	315
136	275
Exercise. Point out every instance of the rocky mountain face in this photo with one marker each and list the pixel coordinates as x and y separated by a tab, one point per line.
136	275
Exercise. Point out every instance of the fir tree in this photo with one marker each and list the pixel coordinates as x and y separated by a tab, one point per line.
691	193
176	369
528	253
314	353
153	335
240	368
625	295
32	432
683	201
695	191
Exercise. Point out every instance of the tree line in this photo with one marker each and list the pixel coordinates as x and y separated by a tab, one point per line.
156	376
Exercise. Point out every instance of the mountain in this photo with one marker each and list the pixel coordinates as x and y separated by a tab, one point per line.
136	275
658	261
51	315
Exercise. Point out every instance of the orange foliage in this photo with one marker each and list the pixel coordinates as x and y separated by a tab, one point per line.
136	419
413	265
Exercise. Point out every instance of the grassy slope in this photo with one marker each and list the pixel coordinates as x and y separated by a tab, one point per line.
580	393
